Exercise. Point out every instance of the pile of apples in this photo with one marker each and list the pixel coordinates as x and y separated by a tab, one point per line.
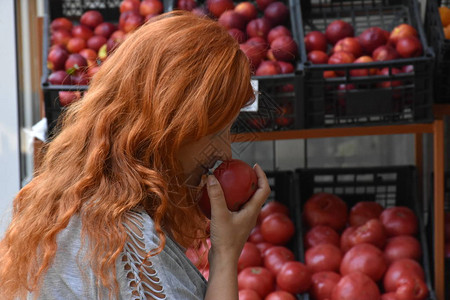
260	29
78	48
351	254
267	269
338	45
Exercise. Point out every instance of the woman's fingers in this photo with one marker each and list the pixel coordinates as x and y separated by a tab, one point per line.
260	196
216	197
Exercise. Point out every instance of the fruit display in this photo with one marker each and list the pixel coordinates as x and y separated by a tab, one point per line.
360	69
437	27
380	252
75	46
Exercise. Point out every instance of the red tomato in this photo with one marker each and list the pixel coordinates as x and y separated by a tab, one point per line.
354	286
250	257
325	209
346	243
399	220
258	279
411	288
279	295
273	207
321	235
238	181
372	232
389	296
275	257
248	294
277	229
365	258
402	246
294	277
323	257
364	211
256	235
400	269
205	273
323	284
263	247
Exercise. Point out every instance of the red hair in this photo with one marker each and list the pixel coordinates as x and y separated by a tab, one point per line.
173	81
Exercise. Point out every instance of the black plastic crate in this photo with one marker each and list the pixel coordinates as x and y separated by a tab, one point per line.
441	47
278	107
388	186
71	9
363	103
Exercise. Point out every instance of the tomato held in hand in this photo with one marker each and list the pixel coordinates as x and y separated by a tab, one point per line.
323	284
364	211
250	257
365	258
279	295
275	257
294	277
277	229
323	257
354	286
238	181
258	279
325	209
321	235
399	220
248	294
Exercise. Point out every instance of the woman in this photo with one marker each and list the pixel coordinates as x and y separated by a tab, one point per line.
114	201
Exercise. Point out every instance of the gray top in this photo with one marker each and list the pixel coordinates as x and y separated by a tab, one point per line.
168	275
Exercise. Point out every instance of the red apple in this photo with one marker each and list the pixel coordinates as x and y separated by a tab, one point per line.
76	44
408	69
231	19
75	63
132	21
115	39
329	74
258	28
91	18
149	17
349	44
283	113
286	67
318	57
277	31
337	30
387	84
238	35
341	57
316	40
151	7
401	31
277	13
57	58
129	5
105	29
363	72
61	23
284	48
409	46
188	5
262	4
254	54
82	31
96	42
259	42
384	53
59	77
268	68
90	56
80	79
247	10
92	71
67	97
218	7
372	38
60	37
200	12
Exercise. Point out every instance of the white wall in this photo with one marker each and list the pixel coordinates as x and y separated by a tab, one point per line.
9	123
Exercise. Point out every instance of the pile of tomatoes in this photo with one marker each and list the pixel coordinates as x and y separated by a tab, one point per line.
362	253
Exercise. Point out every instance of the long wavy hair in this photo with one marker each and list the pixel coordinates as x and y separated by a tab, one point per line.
173	81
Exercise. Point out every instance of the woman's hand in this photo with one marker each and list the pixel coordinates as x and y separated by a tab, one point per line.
229	232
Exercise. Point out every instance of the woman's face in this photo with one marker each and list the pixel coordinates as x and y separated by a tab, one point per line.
198	157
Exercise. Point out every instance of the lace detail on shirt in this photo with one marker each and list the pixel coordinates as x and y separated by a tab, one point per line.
142	278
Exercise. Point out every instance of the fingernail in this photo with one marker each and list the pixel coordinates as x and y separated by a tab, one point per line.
212	180
254	165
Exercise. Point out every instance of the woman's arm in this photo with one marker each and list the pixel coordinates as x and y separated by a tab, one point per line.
229	232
